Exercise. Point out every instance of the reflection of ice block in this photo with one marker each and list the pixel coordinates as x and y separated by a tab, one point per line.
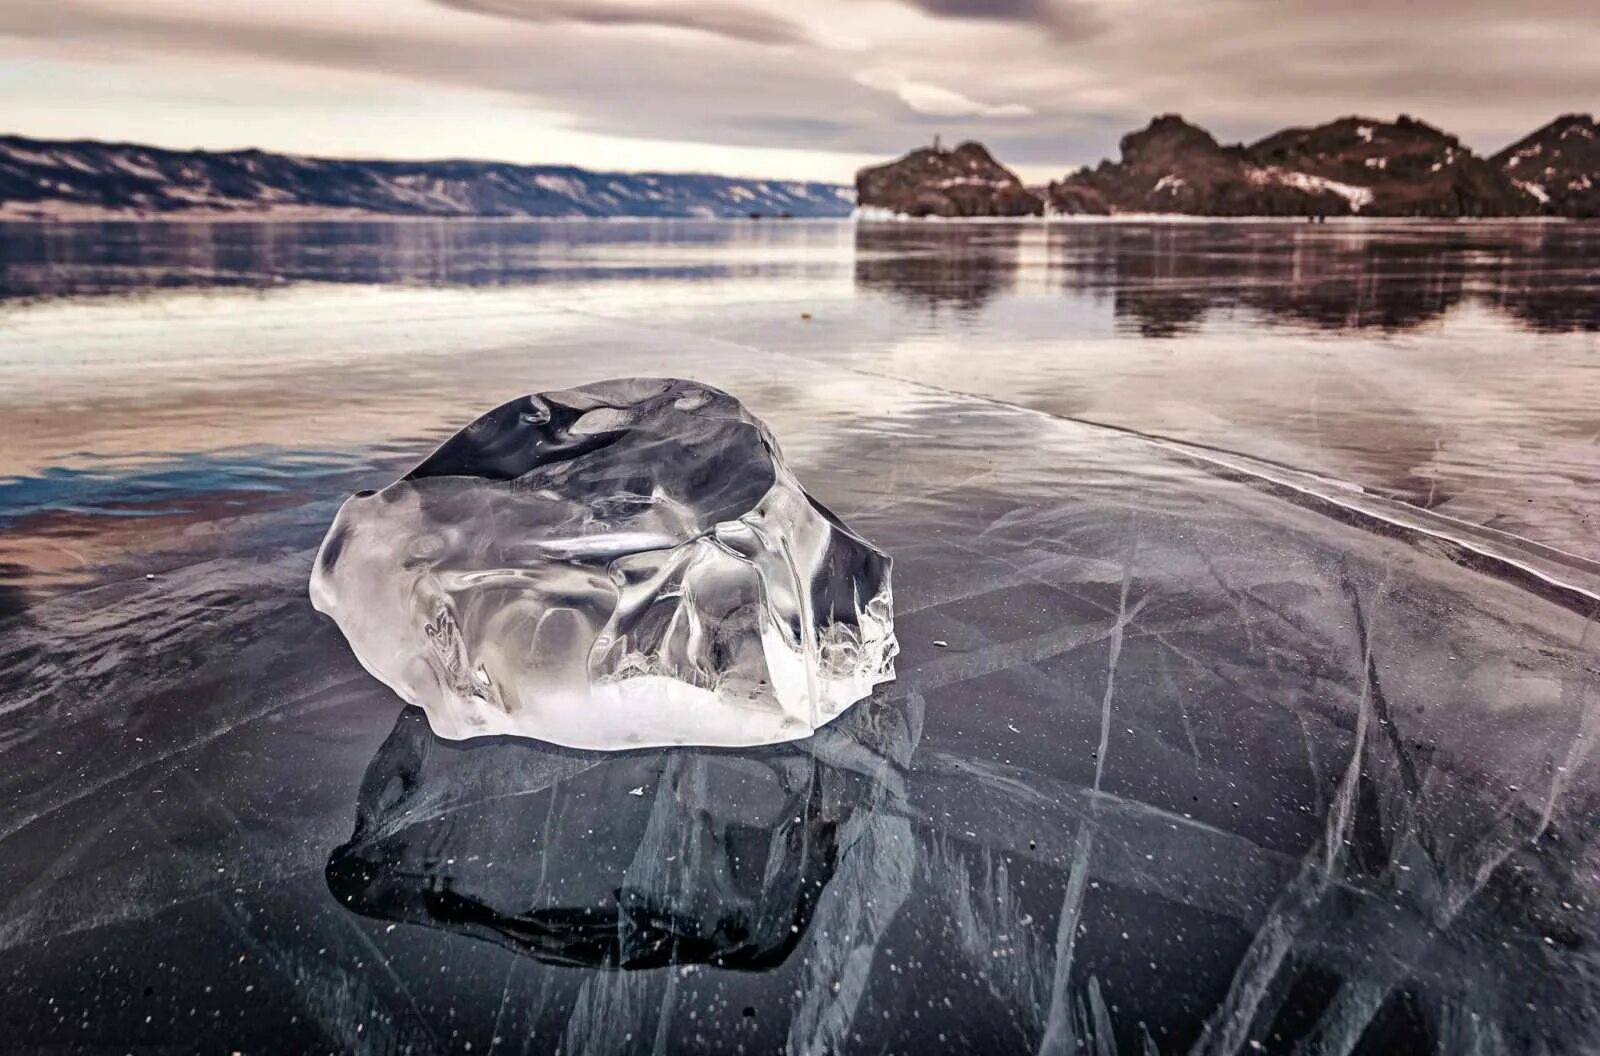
625	564
641	860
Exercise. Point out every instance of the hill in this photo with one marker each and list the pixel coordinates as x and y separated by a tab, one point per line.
1353	165
46	179
1558	165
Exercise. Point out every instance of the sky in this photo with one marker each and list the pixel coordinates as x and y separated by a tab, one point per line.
803	89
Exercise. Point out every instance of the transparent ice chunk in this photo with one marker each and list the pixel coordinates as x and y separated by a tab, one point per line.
625	564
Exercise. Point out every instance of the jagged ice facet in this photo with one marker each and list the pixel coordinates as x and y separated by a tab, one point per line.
620	565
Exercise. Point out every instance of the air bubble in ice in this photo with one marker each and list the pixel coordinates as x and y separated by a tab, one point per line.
625	564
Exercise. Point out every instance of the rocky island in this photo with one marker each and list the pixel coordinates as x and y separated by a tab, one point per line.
1558	165
966	181
1348	167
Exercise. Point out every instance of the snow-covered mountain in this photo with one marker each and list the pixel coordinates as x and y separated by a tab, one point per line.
47	178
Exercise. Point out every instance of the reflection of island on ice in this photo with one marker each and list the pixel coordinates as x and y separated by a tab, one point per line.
1167	280
1163	278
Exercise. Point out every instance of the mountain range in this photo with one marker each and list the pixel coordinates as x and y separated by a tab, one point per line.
50	179
1350	166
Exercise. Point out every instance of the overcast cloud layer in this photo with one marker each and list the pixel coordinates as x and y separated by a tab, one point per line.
776	88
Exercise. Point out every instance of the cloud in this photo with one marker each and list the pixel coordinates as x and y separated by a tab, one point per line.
1005	10
729	20
1060	18
934	101
1045	84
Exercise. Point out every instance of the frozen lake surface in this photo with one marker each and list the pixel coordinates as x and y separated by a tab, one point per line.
1273	725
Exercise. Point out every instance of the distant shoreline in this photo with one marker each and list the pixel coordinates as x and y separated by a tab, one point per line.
1202	218
328	217
1066	219
860	216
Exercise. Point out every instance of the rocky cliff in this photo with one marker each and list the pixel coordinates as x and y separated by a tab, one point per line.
966	181
1402	168
1350	166
89	179
1175	167
1559	166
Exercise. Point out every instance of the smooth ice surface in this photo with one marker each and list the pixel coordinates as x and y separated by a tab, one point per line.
624	564
1210	754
